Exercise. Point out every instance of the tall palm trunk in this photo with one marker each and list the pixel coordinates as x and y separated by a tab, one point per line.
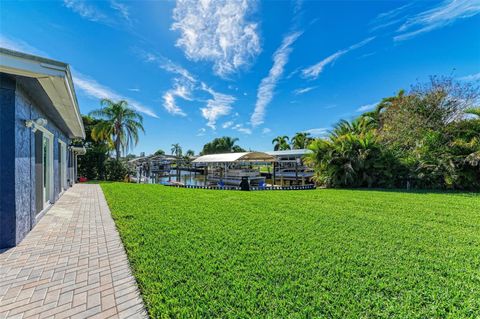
117	147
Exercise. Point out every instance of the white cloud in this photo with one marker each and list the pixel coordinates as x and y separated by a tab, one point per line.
304	90
268	84
19	45
217	31
318	132
201	132
170	105
134	90
181	89
440	16
121	8
390	18
471	77
227	124
367	107
86	10
314	71
219	105
266	130
96	90
167	65
242	129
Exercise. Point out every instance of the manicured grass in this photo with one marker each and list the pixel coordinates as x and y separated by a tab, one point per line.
301	254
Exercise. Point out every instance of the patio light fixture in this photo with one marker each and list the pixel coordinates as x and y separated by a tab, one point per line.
35	124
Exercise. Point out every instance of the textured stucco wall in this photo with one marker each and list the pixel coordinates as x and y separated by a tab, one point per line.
26	108
7	162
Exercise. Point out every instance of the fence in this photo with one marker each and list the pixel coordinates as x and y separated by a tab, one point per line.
266	188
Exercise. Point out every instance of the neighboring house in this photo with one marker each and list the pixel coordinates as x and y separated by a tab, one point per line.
39	118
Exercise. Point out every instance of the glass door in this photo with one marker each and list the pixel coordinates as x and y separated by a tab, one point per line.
63	165
47	158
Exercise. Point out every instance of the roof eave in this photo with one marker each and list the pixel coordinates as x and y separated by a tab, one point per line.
55	78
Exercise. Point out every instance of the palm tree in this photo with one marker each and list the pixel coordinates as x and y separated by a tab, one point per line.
189	153
224	144
300	140
280	143
176	150
120	126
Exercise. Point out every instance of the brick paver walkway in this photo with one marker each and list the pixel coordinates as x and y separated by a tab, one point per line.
72	264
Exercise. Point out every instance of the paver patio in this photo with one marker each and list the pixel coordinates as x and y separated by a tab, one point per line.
72	264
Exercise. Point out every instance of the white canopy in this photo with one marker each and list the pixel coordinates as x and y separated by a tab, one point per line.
235	157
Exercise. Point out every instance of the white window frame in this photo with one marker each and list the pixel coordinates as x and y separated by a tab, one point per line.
50	181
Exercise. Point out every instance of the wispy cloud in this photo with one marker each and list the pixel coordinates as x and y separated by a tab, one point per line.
304	90
122	9
185	85
266	130
134	90
96	90
390	18
470	78
227	124
440	16
201	131
219	105
217	31
180	89
367	107
86	10
166	64
242	129
19	45
314	71
318	132
268	84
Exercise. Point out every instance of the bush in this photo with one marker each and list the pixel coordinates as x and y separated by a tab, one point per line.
115	170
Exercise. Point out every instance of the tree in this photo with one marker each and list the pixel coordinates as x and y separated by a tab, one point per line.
176	150
280	143
224	144
189	153
120	127
301	140
421	138
92	164
159	152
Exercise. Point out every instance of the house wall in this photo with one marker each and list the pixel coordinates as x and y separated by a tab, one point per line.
18	214
7	162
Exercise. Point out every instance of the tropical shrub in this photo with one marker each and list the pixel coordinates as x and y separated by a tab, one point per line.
426	138
115	170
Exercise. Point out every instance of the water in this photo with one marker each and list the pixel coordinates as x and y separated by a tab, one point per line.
186	178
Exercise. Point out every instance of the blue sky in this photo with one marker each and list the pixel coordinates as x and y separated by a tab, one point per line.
252	70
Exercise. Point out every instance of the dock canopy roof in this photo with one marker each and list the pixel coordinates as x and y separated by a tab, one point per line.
235	157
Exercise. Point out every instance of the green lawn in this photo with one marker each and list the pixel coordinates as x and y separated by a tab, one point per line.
301	254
